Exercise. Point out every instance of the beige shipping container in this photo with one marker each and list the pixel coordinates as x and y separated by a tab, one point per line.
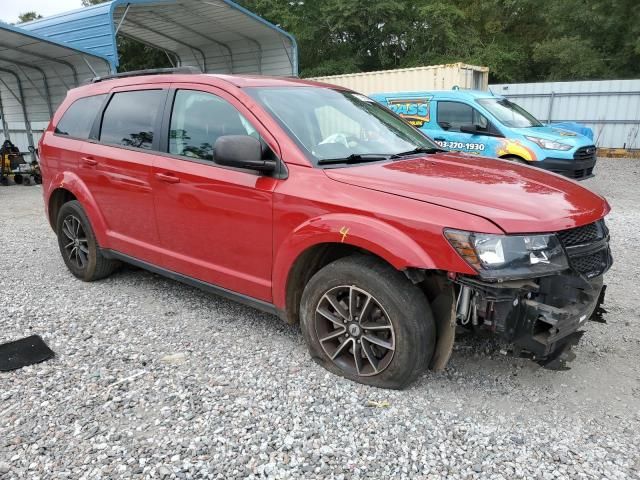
435	77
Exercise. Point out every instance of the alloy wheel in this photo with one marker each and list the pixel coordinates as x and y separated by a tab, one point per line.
354	330
76	245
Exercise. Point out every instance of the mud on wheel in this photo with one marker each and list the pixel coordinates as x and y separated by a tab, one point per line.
366	321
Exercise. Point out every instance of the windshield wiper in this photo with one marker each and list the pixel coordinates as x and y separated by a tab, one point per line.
354	158
417	150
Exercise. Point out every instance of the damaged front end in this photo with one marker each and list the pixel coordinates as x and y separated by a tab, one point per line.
541	315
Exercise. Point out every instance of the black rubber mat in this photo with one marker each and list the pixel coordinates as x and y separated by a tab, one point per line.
23	352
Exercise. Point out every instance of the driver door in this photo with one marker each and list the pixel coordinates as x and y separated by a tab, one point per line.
214	222
451	116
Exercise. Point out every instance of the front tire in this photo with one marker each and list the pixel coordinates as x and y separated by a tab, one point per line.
364	320
78	245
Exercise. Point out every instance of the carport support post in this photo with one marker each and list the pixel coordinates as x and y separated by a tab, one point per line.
20	99
124	15
553	94
5	127
95	74
27	123
46	96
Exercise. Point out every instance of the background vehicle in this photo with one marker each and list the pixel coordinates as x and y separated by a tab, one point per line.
481	123
319	205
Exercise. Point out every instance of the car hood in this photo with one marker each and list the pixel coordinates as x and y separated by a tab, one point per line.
517	198
556	134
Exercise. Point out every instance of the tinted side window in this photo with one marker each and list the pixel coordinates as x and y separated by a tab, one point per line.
130	118
456	114
199	119
78	119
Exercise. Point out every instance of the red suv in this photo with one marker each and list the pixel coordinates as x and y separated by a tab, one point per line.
319	205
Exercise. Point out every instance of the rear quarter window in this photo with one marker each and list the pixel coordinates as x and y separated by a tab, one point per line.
78	119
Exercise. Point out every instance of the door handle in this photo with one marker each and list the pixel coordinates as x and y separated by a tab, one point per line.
89	162
166	177
439	139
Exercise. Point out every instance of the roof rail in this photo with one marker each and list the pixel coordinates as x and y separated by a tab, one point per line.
150	71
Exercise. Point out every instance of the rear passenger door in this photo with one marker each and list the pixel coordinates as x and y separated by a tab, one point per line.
215	222
117	168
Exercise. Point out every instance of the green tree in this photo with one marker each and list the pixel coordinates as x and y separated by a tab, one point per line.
519	40
600	37
28	16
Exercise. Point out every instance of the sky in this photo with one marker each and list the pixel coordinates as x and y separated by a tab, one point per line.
10	9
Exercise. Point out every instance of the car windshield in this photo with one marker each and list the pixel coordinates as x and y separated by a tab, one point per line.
509	114
334	126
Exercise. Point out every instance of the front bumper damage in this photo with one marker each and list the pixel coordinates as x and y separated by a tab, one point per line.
540	317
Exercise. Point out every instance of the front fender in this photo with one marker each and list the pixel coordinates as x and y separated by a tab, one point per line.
71	182
375	236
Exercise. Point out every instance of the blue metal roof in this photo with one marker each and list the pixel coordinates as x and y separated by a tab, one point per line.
90	28
191	25
35	74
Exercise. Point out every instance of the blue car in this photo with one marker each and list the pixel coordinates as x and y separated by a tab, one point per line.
485	124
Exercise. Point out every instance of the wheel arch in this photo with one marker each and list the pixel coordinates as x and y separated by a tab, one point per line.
66	187
438	292
307	264
321	240
57	198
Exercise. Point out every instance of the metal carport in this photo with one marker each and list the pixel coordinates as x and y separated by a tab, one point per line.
35	74
216	36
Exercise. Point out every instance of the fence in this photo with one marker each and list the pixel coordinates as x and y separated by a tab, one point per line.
611	108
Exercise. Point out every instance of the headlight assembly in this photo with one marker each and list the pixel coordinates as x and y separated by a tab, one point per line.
509	257
549	144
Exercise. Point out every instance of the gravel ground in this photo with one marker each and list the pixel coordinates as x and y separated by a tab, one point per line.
154	379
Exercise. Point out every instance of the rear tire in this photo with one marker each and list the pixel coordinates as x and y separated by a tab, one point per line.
376	327
78	245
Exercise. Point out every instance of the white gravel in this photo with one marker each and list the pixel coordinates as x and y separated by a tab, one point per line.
154	379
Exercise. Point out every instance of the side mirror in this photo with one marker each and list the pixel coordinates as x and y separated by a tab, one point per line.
241	151
445	125
469	129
